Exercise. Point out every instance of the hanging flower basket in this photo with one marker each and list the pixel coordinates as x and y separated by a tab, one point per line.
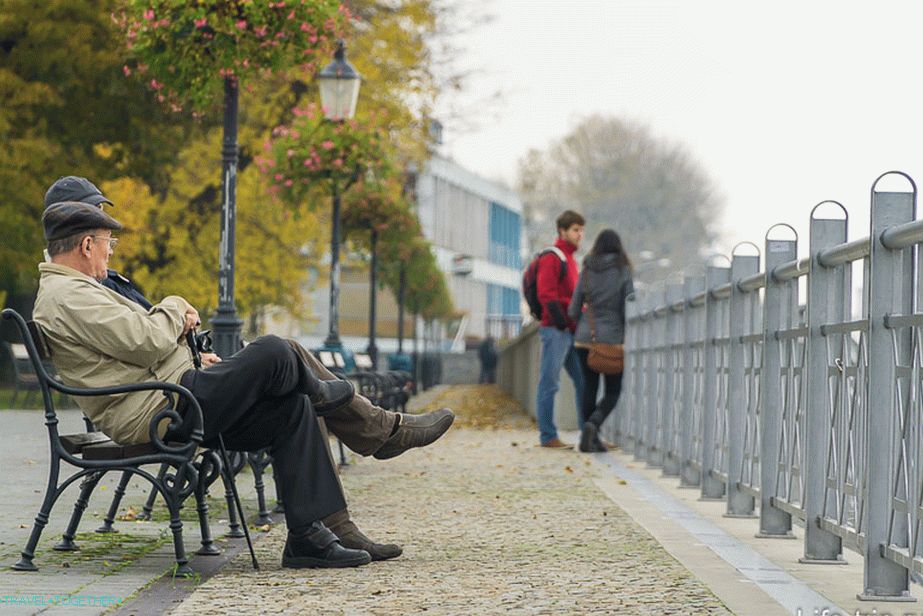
185	50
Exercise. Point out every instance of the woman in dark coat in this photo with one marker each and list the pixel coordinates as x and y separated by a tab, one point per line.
604	285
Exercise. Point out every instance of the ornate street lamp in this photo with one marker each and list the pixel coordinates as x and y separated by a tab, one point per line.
339	90
226	322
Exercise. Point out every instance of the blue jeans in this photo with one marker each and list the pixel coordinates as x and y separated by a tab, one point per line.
557	351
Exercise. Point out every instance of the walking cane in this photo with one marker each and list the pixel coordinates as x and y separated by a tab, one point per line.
197	360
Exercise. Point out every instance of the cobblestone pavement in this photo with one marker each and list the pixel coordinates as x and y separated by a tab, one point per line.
489	524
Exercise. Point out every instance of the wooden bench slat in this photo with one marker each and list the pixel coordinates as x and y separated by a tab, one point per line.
75	443
114	451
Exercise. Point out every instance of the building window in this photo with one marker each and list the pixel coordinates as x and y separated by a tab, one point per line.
505	231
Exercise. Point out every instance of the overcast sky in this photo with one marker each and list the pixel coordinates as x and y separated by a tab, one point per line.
784	104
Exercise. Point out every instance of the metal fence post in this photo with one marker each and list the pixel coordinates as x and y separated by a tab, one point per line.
774	522
673	338
656	402
712	487
689	476
739	503
622	411
825	305
643	382
884	579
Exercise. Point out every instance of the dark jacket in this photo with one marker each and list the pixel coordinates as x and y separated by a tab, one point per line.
609	288
555	292
126	288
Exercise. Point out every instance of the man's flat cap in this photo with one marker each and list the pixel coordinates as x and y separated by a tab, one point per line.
74	188
70	217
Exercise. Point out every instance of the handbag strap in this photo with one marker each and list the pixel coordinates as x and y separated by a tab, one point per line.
589	310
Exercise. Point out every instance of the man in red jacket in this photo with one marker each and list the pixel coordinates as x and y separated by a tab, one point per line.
555	288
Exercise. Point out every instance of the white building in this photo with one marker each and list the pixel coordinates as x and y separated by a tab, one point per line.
476	229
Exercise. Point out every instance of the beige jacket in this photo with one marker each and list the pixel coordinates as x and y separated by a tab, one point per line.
97	338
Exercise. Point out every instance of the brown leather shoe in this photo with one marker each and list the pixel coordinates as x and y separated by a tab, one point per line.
353	538
416	431
557	443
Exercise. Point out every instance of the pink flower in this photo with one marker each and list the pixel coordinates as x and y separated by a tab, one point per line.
156	84
290	152
313	38
261	31
291	15
279	177
149	14
327	145
304	26
242	24
307	162
126	70
200	23
267	146
338	162
288	183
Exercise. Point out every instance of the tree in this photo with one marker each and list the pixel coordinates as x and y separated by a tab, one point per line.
618	175
67	108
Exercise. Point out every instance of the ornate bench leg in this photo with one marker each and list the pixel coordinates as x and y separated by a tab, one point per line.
208	470
258	465
280	506
114	506
86	489
41	520
176	525
148	509
234	529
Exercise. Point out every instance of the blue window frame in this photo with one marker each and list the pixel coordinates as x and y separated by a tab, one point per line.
505	233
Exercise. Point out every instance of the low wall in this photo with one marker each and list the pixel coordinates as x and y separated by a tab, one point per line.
517	375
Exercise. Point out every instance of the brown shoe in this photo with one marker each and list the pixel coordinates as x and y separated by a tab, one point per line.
353	538
557	443
416	431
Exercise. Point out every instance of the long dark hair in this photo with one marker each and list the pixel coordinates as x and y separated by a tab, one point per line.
609	242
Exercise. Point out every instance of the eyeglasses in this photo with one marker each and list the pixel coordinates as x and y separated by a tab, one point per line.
113	241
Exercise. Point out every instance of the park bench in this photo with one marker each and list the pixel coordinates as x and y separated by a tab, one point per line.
390	389
187	470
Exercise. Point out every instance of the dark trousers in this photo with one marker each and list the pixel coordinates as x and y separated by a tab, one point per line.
255	399
591	410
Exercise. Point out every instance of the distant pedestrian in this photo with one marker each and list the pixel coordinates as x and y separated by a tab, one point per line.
487	353
603	286
557	276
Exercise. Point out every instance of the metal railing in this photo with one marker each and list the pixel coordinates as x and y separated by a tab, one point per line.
795	392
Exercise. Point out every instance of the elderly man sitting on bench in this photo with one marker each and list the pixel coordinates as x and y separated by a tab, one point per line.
263	396
365	428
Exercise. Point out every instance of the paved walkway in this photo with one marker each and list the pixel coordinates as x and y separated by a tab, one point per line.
490	523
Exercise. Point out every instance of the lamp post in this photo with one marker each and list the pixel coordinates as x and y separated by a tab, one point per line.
226	322
339	90
373	287
402	281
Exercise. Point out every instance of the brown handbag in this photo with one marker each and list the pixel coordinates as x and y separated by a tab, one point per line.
604	357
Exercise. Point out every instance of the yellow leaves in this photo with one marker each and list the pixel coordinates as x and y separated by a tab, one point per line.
103	150
170	246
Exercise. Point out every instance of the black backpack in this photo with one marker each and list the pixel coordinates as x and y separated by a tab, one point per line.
530	280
